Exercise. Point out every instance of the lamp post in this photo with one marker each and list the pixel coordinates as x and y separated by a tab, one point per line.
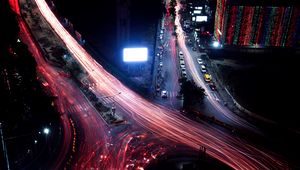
4	147
46	131
113	108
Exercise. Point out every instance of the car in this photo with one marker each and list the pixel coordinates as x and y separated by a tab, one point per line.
212	86
203	68
183	73
200	61
161	64
207	77
190	43
182	65
164	94
157	87
180	53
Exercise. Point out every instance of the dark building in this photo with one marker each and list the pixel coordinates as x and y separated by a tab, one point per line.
260	23
123	22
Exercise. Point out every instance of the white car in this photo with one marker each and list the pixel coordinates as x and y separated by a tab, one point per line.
164	94
203	69
183	73
199	60
161	64
180	53
182	65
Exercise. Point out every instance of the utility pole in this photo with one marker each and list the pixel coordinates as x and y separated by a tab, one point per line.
202	153
4	147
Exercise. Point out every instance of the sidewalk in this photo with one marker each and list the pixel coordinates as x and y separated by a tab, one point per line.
43	33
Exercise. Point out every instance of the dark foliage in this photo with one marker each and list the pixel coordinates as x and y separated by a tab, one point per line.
24	106
192	93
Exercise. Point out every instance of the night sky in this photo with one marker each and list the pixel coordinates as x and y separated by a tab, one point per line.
96	20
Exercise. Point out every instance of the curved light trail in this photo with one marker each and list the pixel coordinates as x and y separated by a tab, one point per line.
65	98
162	121
96	148
47	73
199	81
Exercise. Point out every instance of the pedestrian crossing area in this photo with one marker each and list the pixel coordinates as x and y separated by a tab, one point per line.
79	107
85	105
172	94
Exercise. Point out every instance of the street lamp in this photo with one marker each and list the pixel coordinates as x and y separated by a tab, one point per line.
4	147
46	131
216	44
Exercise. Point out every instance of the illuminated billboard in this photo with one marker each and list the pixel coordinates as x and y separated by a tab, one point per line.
135	54
201	18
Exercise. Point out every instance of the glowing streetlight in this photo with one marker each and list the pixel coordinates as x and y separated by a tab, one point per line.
216	44
46	131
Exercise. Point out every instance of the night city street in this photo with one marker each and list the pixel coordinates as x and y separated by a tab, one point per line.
149	85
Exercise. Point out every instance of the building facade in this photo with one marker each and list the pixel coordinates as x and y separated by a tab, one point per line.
259	24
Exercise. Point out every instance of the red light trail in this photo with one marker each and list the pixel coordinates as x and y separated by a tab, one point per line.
94	150
192	67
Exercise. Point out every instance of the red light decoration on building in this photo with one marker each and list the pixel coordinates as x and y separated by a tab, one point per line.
248	25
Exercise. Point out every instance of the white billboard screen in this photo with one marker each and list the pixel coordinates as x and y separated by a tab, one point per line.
135	54
201	18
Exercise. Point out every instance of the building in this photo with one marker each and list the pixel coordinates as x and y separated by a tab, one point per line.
123	23
257	23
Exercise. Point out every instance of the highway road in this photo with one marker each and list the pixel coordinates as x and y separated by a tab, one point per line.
119	147
71	103
168	73
193	68
51	78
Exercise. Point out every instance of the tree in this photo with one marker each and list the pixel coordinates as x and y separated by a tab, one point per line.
171	8
192	93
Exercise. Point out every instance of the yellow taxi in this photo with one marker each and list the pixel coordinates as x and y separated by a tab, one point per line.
207	77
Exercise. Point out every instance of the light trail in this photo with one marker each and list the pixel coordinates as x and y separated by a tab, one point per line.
65	100
160	120
48	74
192	67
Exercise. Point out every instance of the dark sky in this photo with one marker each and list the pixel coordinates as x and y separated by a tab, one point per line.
96	20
